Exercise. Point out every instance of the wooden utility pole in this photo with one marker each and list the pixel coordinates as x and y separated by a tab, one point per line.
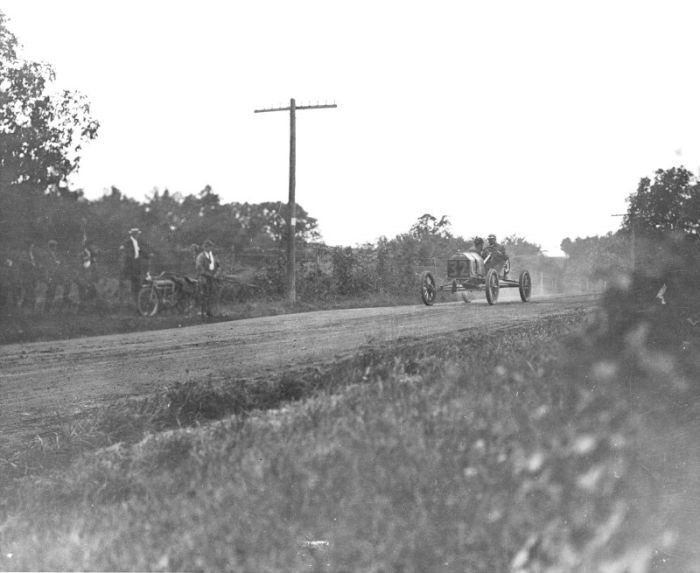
291	215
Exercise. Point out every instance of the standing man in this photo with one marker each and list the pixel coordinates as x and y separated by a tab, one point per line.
208	268
56	274
29	275
87	276
133	253
8	284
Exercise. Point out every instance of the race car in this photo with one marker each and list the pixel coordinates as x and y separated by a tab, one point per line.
469	271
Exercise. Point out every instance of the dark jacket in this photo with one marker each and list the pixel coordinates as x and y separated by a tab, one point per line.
129	262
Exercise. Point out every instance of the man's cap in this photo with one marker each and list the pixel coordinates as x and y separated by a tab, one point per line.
478	240
53	242
208	242
134	230
492	237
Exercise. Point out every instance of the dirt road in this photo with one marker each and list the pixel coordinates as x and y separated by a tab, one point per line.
44	379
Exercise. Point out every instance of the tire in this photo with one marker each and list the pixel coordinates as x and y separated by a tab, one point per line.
492	286
148	301
428	290
525	286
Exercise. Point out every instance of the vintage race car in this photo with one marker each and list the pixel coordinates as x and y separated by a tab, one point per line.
468	271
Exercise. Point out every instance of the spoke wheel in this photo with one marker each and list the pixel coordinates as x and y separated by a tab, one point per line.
525	286
492	286
428	290
148	301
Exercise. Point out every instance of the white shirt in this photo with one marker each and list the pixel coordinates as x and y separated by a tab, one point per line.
136	247
211	260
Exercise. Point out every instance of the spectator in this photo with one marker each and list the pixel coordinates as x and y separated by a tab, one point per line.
28	273
8	283
133	252
56	275
87	275
194	249
208	269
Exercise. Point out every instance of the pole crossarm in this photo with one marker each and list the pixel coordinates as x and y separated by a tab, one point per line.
318	106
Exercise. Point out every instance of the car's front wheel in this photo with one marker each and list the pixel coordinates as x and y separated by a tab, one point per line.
428	288
492	286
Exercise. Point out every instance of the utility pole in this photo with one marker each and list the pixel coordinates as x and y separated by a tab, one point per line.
291	215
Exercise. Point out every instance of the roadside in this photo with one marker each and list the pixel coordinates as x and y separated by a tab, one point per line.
69	323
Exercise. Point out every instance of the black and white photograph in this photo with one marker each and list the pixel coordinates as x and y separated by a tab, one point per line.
335	287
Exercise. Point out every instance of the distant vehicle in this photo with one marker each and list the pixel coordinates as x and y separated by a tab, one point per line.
468	271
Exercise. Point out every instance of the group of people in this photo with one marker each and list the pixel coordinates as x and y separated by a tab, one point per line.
134	254
21	273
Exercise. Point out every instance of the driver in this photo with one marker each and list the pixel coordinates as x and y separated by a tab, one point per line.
494	246
494	255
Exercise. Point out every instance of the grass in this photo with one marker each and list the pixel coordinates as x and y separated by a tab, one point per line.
507	452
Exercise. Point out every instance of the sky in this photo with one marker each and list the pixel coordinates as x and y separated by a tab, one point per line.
533	118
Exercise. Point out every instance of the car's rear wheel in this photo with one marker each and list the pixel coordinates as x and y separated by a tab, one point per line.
492	286
525	286
428	289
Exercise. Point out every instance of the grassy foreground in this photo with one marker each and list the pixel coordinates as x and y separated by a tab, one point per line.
508	452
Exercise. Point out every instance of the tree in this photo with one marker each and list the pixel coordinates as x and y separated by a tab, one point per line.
41	134
670	203
521	247
429	226
597	257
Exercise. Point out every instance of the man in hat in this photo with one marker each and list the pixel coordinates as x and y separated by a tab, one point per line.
208	269
134	256
56	275
495	256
